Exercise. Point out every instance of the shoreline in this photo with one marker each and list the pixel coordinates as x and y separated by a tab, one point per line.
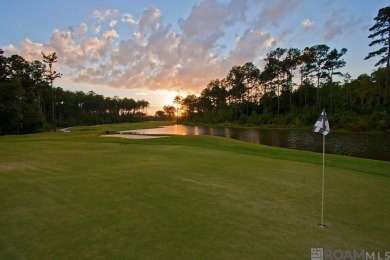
134	136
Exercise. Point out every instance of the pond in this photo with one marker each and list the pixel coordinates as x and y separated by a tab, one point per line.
364	145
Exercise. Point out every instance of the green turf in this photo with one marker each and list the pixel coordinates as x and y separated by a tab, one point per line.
77	195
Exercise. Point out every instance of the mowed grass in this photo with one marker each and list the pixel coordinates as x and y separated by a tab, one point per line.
77	195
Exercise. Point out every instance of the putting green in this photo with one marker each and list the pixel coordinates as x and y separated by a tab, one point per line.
77	195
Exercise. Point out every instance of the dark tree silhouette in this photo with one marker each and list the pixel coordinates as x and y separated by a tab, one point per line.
380	33
51	76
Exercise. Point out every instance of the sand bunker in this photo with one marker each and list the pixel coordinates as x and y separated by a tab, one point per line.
134	136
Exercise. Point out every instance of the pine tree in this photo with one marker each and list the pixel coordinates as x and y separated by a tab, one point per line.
381	36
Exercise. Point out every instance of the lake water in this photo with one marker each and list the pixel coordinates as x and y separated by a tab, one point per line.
364	145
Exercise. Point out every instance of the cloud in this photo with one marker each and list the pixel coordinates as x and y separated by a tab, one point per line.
273	12
113	23
96	29
28	49
103	14
251	44
110	34
307	24
79	31
340	23
65	45
155	55
128	18
151	20
210	17
158	57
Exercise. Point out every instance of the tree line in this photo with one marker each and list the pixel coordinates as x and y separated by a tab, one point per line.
294	86
291	90
29	102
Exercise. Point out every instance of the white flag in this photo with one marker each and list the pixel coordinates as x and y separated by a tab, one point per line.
322	124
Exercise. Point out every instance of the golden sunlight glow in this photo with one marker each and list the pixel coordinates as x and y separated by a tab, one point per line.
167	97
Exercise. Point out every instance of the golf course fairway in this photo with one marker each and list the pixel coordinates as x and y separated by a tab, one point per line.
78	195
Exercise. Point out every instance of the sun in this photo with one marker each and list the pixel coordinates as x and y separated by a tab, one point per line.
167	97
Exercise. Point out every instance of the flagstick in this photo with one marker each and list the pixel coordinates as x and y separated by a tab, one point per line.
323	181
322	127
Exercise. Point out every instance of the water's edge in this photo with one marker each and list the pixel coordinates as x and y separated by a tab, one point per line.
364	145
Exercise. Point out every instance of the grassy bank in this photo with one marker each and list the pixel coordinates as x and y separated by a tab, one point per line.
78	195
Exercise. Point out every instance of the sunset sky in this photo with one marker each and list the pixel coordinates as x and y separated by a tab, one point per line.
154	50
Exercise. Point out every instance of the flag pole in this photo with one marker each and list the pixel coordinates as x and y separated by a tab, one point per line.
322	127
323	181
